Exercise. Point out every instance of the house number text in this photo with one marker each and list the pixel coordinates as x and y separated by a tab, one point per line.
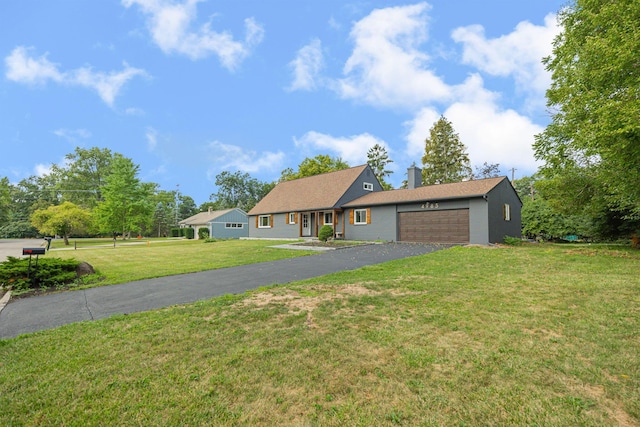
429	206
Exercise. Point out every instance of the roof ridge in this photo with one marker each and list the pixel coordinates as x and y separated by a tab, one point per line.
326	173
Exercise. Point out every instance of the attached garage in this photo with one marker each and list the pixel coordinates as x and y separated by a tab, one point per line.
442	226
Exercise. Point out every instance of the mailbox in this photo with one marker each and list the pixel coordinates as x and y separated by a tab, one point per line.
33	251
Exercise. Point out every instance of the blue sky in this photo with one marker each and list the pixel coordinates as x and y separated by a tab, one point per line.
190	88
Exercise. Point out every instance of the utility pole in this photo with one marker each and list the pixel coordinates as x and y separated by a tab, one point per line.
513	172
177	201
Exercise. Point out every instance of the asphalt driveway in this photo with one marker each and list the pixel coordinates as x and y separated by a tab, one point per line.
38	313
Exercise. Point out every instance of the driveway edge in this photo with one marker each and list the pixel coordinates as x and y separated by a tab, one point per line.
5	300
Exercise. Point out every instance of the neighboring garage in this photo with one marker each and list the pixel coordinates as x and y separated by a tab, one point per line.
446	226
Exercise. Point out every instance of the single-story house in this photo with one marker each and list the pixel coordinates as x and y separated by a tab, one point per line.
299	208
222	224
479	211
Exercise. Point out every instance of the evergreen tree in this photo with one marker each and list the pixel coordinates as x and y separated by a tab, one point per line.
378	159
445	156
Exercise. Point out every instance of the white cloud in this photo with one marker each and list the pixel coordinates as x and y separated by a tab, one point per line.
72	135
386	67
133	111
517	54
170	26
108	85
307	66
352	149
42	170
491	134
22	68
418	131
152	138
227	156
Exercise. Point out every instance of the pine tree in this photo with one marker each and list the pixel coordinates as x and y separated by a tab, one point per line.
378	159
445	156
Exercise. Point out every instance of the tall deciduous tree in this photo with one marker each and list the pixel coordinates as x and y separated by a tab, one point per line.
595	100
84	174
64	220
487	170
378	159
445	156
5	200
127	204
239	190
322	163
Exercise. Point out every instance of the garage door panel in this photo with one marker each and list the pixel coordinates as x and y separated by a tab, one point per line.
445	226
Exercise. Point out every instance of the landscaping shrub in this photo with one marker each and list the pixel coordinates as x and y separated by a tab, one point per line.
325	233
189	233
203	233
50	272
512	241
176	232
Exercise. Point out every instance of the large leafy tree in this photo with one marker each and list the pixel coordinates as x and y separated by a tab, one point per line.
5	199
378	159
591	148
64	219
322	163
239	190
445	156
127	205
186	207
487	170
83	175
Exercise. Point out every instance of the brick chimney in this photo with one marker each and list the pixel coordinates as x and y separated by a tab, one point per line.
414	177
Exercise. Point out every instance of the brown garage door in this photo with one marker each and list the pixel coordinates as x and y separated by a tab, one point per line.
447	226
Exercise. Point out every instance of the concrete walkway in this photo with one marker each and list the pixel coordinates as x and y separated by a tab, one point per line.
38	313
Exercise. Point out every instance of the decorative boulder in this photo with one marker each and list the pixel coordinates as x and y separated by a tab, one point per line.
84	268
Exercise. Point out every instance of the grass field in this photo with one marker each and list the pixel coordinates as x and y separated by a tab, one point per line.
538	335
135	260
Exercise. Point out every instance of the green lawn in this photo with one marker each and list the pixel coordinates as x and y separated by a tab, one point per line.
524	336
143	259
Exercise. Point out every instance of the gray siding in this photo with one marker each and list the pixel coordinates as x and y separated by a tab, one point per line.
279	228
218	227
498	227
478	222
383	225
357	188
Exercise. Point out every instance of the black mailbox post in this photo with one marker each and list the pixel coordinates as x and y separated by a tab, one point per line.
30	252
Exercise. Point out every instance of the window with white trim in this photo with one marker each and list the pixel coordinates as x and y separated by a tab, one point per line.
506	212
234	225
360	216
264	221
292	218
367	186
328	218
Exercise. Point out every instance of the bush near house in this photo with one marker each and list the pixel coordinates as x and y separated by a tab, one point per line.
203	233
189	233
325	233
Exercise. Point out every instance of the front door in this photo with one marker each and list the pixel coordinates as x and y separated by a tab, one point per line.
306	225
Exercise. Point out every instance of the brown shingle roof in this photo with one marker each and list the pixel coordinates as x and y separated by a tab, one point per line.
311	193
475	188
203	217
